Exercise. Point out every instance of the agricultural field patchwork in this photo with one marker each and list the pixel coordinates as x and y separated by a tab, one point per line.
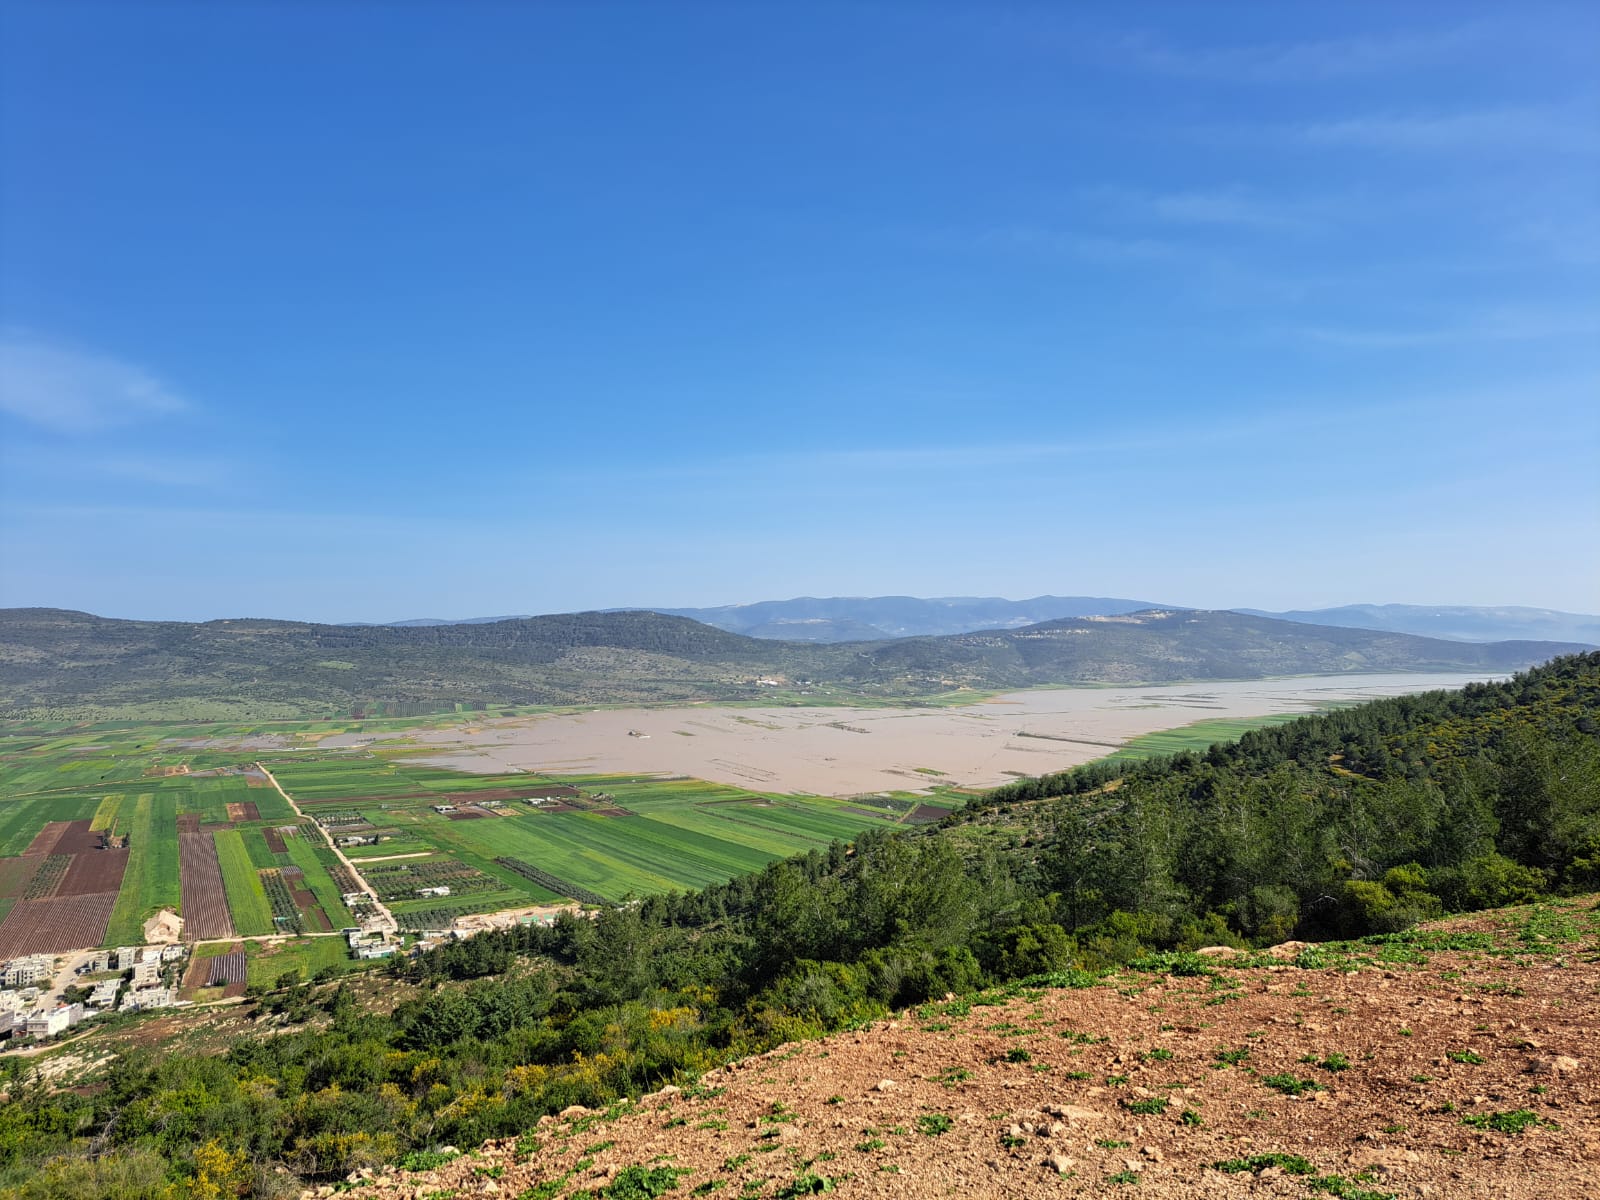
104	826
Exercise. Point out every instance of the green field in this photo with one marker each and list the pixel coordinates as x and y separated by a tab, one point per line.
669	834
265	962
1199	736
247	899
313	860
625	837
151	881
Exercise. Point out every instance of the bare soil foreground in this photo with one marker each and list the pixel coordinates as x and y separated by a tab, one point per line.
848	751
1458	1062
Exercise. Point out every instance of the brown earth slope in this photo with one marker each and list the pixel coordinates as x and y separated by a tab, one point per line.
1455	1061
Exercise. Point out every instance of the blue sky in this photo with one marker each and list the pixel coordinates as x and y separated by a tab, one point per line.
373	311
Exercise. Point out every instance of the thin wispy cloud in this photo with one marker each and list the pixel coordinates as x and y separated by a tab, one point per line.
71	390
1296	62
1557	130
1503	326
1223	208
1097	247
70	464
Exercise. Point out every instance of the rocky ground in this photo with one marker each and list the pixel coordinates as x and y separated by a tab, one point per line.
1455	1061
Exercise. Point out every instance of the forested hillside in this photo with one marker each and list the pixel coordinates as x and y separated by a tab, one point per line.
55	663
1356	822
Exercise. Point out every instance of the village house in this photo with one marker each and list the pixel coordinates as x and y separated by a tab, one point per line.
48	1023
27	971
150	998
104	994
441	890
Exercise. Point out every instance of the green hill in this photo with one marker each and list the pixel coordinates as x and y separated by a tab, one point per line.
52	659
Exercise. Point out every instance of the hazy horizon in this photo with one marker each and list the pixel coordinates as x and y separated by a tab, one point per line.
1277	306
509	614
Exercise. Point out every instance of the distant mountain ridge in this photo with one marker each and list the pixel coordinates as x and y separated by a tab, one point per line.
52	659
874	618
1462	623
865	618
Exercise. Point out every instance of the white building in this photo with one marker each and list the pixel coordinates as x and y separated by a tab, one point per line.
434	891
104	994
149	998
27	971
50	1022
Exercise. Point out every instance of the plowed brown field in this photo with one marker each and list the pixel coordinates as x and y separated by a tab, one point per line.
205	905
94	871
55	925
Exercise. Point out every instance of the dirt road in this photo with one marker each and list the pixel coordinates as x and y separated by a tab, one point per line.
386	919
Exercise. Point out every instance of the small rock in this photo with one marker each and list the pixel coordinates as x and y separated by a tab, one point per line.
1153	1153
884	1085
1059	1163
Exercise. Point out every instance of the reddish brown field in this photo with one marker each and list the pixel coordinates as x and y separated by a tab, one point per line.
926	814
76	838
205	905
195	976
274	841
470	815
44	842
189	823
54	925
94	871
243	812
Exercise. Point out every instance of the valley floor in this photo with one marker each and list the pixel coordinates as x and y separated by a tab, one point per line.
843	751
